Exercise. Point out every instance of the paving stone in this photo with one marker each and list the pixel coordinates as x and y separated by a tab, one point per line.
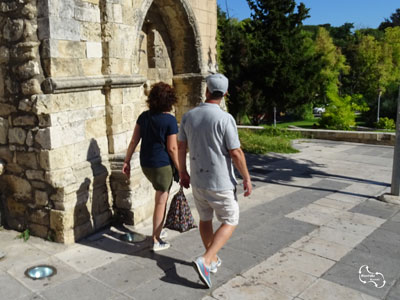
376	208
32	296
172	287
337	236
323	248
296	259
348	276
337	204
243	288
391	226
377	262
289	225
11	288
379	247
86	258
396	218
237	260
88	289
288	281
64	273
394	293
358	218
350	227
323	289
123	274
310	216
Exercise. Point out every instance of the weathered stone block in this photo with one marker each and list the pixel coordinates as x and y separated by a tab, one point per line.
39	230
21	188
27	120
29	11
95	128
34	174
60	178
88	13
90	67
17	136
41	199
28	70
61	221
29	140
94	50
4	54
3	130
31	87
15	208
13	29
27	159
24	51
91	32
41	217
25	105
6	109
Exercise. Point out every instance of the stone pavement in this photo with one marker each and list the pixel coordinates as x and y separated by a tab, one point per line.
312	229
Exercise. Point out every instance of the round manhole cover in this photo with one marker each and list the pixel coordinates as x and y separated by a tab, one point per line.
40	272
133	237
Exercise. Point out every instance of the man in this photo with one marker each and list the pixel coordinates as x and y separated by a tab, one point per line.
211	136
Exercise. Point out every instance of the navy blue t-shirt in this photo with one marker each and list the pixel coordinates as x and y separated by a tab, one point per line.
152	153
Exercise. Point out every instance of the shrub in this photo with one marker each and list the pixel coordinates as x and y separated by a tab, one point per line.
385	123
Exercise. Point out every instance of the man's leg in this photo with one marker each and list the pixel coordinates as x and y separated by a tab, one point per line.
220	238
206	233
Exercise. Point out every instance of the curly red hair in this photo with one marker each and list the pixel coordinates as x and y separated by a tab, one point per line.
161	98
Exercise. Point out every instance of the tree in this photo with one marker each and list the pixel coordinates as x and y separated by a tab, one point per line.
234	63
283	66
392	22
333	63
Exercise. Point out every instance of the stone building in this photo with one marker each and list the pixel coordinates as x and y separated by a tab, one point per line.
73	79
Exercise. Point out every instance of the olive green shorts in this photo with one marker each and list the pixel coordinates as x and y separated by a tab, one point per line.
160	178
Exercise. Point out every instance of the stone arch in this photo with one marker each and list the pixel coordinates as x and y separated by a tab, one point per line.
182	32
176	24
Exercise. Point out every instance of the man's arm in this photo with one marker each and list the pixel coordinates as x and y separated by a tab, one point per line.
183	174
239	161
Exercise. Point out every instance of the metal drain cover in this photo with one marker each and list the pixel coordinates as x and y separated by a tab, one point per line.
40	272
133	237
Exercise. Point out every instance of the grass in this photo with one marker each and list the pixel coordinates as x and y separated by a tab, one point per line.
268	140
308	123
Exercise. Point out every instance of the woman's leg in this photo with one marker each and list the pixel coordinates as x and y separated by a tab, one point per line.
160	208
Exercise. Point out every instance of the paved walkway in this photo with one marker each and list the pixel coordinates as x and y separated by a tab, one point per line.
312	229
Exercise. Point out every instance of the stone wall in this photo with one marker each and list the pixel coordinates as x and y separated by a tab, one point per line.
73	79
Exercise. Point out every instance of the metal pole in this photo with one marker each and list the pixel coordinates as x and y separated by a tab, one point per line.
395	190
274	116
379	106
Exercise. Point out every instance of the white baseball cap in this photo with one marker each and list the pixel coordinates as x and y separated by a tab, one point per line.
217	83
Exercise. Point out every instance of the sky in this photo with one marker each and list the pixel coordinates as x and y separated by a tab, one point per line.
363	13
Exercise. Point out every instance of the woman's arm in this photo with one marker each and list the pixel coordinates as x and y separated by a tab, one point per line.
172	148
126	169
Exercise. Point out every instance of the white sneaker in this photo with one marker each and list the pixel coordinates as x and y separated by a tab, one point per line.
161	245
214	265
163	234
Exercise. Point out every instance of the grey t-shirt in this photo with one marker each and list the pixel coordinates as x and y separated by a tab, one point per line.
210	133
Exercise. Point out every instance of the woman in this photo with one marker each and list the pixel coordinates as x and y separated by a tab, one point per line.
158	130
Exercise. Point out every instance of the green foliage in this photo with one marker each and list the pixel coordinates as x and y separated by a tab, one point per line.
283	65
392	22
385	123
340	113
25	235
301	112
267	140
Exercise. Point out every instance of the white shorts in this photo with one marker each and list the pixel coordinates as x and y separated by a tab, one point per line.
224	203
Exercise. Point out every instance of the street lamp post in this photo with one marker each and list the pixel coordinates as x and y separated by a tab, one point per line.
395	188
379	105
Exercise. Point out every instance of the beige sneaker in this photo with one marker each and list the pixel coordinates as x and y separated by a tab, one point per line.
161	245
